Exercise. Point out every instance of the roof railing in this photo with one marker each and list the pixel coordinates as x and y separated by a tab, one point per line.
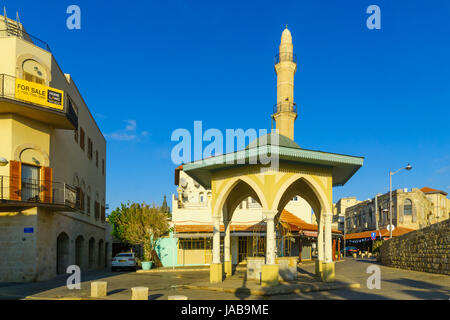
20	33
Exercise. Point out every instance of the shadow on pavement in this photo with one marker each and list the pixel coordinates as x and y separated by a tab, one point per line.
22	290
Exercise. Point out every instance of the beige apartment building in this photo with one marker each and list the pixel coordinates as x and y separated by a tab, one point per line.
339	211
411	209
52	166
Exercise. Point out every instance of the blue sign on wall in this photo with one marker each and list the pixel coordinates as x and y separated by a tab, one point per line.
28	230
373	235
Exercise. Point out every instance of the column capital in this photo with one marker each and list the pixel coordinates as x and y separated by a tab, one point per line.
269	214
216	219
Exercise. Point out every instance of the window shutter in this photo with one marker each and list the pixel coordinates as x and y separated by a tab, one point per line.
103	214
97	209
47	184
15	177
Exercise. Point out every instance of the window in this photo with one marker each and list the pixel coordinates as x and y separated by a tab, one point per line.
90	147
97	210
33	71
407	207
29	77
30	183
88	204
81	138
96	158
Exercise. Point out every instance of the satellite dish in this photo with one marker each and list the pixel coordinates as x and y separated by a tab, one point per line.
183	182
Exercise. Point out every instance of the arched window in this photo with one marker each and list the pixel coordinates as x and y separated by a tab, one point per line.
407	207
33	71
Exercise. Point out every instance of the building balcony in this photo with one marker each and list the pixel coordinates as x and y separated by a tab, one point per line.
18	194
285	56
38	102
285	107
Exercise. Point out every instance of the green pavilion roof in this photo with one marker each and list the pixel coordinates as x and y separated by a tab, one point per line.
343	166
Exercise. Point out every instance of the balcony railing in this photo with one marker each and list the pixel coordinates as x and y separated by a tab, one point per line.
285	107
285	56
19	33
31	191
8	91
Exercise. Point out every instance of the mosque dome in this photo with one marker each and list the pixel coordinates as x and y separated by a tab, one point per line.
283	141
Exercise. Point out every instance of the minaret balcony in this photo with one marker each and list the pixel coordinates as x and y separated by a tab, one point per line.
285	106
38	102
285	56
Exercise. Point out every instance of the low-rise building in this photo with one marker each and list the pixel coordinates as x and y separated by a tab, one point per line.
412	209
52	173
339	211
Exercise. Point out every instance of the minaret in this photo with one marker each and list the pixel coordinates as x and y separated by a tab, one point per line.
285	111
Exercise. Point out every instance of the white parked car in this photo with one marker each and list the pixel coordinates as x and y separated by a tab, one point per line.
124	260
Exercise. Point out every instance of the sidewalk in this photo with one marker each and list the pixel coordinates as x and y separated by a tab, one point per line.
306	282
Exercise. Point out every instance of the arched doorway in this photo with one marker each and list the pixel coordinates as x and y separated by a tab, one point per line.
91	255
62	253
237	191
79	251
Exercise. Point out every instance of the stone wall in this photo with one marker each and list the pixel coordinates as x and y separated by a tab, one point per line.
426	250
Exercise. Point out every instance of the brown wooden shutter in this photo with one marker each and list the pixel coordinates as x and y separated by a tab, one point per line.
97	210
15	180
103	214
47	184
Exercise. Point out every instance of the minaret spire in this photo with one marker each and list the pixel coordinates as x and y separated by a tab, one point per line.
285	111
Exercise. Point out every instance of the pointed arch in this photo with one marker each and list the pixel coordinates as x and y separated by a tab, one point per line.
314	195
254	190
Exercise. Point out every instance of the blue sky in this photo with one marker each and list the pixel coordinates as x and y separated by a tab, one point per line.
146	68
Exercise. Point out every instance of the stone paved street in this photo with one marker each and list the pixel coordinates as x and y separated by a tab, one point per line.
395	284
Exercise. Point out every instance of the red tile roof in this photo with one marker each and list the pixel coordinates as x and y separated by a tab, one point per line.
294	223
431	190
398	231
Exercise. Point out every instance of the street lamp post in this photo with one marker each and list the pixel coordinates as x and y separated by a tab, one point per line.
408	167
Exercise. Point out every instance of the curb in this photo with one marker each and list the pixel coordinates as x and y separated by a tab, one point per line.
277	291
171	270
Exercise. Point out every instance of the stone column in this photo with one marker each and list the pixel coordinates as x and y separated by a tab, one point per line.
216	272
269	271
320	248
227	249
328	265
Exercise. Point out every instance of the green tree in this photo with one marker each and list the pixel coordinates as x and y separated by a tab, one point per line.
140	224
